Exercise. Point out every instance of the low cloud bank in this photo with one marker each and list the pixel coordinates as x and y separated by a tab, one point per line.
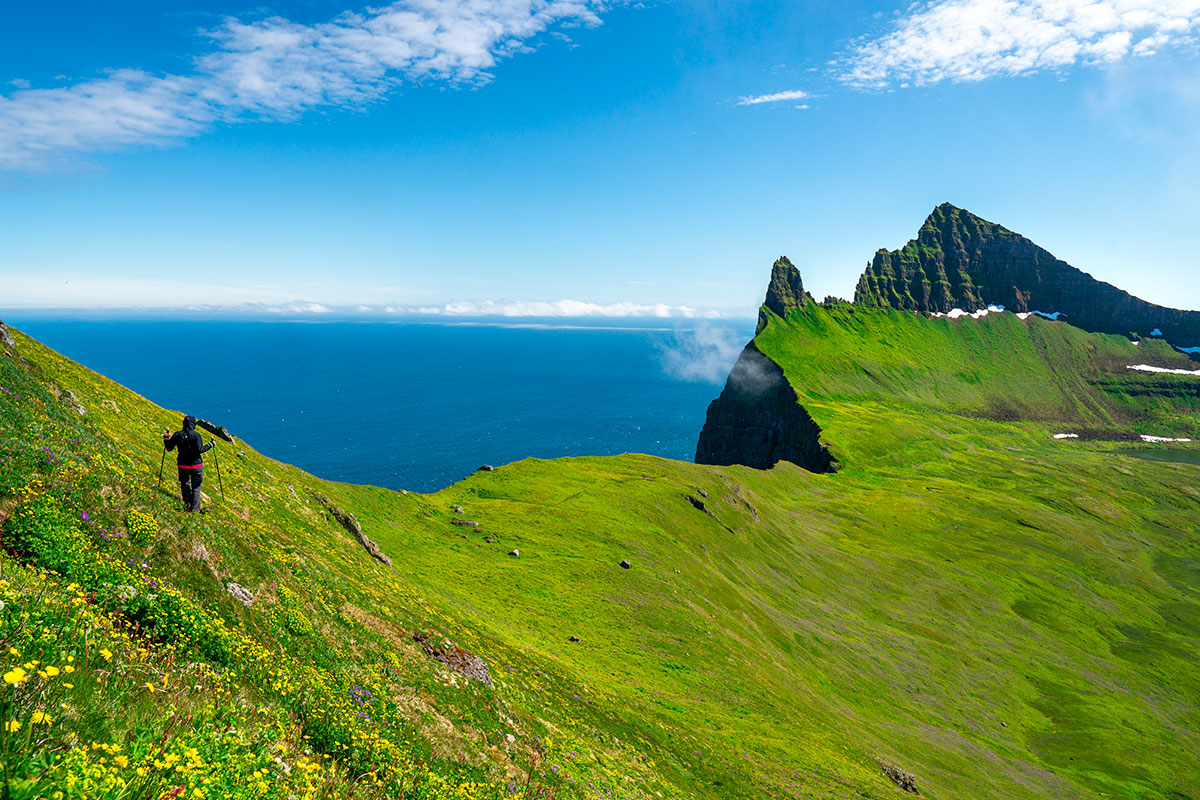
454	310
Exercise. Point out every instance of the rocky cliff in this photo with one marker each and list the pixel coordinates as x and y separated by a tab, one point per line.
757	420
961	261
785	292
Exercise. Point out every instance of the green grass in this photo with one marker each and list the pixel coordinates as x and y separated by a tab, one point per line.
999	613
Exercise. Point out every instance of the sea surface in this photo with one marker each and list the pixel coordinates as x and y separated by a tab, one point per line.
415	405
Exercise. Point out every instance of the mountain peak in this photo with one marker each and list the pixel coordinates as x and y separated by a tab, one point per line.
960	260
786	290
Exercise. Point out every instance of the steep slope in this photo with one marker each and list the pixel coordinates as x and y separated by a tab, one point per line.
984	607
961	261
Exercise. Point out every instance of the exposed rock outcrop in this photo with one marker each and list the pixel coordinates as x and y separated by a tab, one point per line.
901	777
220	431
240	593
785	292
6	337
67	397
455	657
959	260
757	421
350	523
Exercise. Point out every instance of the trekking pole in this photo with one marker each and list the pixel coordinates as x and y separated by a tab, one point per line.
217	463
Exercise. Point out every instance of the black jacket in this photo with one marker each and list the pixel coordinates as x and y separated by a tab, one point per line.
190	443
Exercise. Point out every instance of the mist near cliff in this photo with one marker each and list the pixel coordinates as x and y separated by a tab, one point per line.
703	354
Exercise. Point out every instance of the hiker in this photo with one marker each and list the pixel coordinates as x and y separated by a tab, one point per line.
191	466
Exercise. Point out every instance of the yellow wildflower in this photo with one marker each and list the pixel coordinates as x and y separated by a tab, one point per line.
16	675
42	718
12	726
104	651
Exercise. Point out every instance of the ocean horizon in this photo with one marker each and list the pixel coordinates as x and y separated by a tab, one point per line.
417	404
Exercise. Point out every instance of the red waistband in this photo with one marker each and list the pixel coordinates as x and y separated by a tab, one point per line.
191	466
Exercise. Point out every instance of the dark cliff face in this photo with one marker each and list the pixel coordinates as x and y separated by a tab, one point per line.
758	422
961	261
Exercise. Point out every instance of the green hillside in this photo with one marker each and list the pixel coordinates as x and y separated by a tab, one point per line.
996	612
883	381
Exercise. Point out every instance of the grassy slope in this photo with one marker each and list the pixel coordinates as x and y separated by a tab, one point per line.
999	613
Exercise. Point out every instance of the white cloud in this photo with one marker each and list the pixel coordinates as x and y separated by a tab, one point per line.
971	40
26	291
777	97
564	308
276	69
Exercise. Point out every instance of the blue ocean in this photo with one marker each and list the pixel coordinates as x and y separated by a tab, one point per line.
416	405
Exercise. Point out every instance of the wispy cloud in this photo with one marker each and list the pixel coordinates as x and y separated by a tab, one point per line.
777	97
971	40
702	355
276	69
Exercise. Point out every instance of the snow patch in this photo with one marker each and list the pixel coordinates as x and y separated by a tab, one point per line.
1156	332
1148	368
1023	314
955	313
1148	438
1054	315
1066	436
1188	349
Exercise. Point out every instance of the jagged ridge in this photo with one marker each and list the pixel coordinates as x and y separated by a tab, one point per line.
959	260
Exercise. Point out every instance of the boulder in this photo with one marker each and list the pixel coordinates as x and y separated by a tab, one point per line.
514	552
575	639
486	468
240	593
626	565
470	523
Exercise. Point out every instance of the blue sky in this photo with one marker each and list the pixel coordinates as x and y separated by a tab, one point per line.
579	157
